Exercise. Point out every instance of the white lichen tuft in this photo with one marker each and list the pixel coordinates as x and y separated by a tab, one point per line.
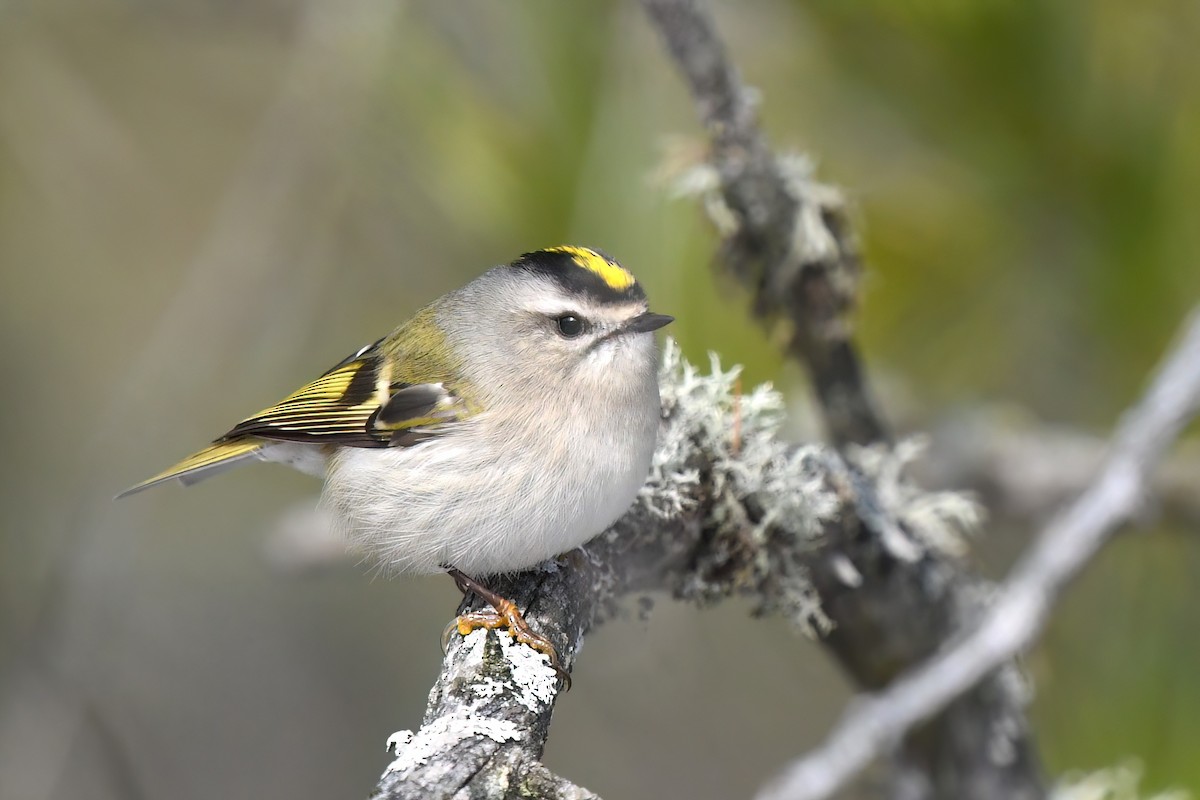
733	437
704	182
1114	783
813	242
742	452
941	522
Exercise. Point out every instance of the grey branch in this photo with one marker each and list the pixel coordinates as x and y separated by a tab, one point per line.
1020	611
785	235
1025	469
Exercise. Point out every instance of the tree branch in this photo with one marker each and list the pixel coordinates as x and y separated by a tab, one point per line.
785	235
788	237
1018	614
489	712
1026	469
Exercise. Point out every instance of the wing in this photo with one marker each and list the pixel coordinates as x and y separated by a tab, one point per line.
358	403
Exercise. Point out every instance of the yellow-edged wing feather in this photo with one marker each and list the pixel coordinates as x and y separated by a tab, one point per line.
336	408
211	460
356	404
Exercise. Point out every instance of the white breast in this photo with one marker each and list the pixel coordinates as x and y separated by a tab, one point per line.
498	493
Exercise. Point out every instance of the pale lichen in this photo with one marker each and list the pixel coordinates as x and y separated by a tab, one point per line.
442	734
533	682
812	239
764	503
704	182
731	440
940	522
757	488
397	740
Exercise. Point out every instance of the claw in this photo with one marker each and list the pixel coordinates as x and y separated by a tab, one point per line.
447	632
506	616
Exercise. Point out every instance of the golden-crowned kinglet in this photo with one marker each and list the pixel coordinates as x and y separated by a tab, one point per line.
507	422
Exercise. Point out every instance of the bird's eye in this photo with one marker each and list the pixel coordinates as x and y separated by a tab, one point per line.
570	325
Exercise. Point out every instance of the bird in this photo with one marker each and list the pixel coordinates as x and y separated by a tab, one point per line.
505	423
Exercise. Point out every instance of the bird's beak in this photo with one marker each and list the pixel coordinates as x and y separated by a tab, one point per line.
644	323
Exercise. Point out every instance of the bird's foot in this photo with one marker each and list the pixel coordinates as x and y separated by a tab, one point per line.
506	616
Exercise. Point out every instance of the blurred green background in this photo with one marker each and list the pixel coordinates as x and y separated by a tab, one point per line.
204	204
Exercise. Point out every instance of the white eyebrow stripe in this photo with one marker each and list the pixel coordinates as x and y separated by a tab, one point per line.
557	306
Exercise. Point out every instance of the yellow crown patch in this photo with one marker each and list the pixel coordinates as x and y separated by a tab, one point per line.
613	274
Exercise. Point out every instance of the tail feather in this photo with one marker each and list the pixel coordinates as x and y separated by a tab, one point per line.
212	460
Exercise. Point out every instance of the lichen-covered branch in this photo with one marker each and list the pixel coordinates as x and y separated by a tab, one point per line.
1018	613
785	235
723	513
489	712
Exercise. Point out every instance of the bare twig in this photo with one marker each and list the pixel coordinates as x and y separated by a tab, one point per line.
787	236
1020	611
1025	469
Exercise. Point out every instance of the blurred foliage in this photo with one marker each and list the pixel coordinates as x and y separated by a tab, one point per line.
202	205
1047	153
